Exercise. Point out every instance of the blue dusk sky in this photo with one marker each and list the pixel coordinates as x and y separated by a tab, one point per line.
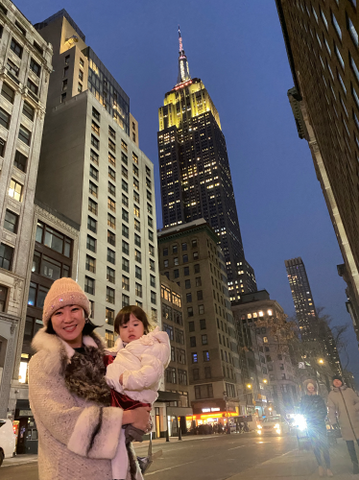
236	47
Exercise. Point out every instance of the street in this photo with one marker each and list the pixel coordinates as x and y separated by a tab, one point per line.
212	457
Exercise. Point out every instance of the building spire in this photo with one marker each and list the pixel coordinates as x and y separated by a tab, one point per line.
183	70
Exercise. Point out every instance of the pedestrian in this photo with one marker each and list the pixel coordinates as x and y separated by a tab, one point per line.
314	410
141	356
343	404
78	430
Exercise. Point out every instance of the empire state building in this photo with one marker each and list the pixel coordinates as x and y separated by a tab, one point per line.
195	175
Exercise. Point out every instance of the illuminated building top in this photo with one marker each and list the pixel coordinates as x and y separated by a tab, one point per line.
183	70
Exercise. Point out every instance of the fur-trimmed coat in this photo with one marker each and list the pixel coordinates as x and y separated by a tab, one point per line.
343	404
78	431
142	363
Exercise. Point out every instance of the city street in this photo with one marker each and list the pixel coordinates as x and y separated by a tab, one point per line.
221	457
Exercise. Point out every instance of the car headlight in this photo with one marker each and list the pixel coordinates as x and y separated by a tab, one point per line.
300	422
259	427
276	426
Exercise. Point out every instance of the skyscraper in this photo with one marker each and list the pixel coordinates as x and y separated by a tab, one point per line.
302	298
195	174
322	42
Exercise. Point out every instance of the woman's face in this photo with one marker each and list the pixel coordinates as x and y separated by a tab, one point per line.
132	330
310	388
337	383
68	323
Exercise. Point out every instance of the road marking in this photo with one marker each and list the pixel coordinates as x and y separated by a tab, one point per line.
239	446
169	468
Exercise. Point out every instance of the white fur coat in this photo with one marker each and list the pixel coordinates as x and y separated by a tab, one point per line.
142	363
77	437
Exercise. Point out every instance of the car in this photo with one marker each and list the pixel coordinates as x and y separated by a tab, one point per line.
7	440
274	425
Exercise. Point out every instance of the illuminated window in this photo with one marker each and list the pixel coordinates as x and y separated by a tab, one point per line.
15	190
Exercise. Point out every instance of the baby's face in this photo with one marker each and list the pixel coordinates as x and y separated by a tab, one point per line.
132	330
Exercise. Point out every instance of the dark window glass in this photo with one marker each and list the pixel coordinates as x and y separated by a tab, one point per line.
24	135
20	161
11	221
4	118
28	111
8	93
35	67
6	256
16	48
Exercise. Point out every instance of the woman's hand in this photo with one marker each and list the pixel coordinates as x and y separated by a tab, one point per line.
139	417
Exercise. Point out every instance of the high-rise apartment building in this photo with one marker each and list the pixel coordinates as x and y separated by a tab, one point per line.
322	45
190	256
93	171
195	174
262	324
25	60
302	298
176	375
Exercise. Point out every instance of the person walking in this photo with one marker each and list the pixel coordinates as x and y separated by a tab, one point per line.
78	430
343	404
314	410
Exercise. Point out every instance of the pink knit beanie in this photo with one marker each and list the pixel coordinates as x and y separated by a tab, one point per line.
63	292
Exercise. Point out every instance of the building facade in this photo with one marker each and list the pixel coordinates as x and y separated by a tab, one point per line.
190	256
176	375
92	171
302	298
262	323
195	173
25	66
322	46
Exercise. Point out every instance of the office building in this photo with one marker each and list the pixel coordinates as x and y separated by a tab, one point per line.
176	374
195	174
24	78
322	42
190	256
93	171
262	323
302	298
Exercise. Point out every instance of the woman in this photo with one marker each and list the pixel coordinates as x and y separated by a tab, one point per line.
78	431
343	404
313	408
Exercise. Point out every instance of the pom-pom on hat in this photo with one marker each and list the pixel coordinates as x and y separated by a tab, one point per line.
63	292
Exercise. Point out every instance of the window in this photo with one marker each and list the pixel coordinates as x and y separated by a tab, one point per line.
192	341
206	355
90	264
203	391
89	285
24	135
16	48
95	114
199	295
182	377
194	357
136	211
111	256
202	324
150	222
188	297
125	283
196	268
3	297
92	206
353	32
14	69
153	281
111	189
95	128
11	221
28	111
169	330
171	375
125	231
4	118
125	215
111	238
125	247
125	300
112	174
204	340
112	146
138	290
15	190
63	97
189	311
95	142
125	265
35	67
207	372
91	243
195	373
20	161
153	297
176	273
201	309
336	26
111	275
187	283
32	87
110	295
8	92
93	189
191	326
111	204
111	160
81	75
110	316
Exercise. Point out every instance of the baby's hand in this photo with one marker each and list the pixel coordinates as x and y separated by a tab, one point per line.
121	379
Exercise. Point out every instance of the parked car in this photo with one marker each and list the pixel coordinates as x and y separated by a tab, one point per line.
275	425
7	440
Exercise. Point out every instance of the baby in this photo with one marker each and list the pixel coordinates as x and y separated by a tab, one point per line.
135	375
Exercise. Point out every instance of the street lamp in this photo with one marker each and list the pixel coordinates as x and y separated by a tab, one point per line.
249	386
265	380
321	361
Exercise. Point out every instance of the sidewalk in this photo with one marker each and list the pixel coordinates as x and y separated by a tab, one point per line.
24	459
300	464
